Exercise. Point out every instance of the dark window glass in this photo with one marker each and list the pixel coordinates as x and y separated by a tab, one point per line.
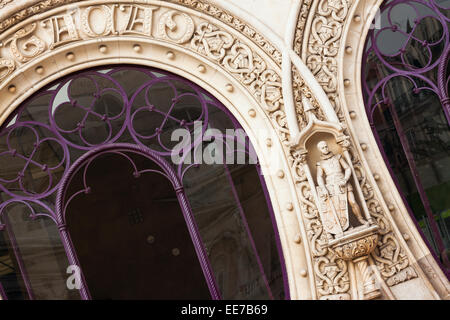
406	90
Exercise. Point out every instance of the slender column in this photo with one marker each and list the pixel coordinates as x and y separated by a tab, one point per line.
73	260
370	290
198	244
442	83
3	295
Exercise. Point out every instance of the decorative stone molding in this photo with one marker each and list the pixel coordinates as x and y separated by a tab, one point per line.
323	43
300	91
198	5
302	25
392	256
323	47
235	23
136	18
32	10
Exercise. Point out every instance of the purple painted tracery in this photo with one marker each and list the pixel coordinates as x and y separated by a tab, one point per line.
406	90
62	129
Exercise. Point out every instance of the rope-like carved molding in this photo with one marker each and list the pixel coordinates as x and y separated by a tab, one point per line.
301	24
321	55
232	53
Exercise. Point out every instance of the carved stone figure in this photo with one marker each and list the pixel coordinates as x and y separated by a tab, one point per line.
335	191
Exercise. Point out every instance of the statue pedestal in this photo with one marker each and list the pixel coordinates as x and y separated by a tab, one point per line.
356	245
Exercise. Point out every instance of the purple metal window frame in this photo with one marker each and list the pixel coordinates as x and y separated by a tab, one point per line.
405	70
170	175
93	151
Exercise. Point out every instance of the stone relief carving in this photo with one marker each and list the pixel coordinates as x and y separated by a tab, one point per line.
198	5
335	192
107	17
211	41
327	247
235	23
323	42
300	90
301	23
166	22
323	46
20	52
321	53
248	67
171	25
335	240
32	10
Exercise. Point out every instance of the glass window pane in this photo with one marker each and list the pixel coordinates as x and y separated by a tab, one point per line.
404	62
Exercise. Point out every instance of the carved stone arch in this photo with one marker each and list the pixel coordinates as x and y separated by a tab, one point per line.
404	230
242	74
237	64
330	38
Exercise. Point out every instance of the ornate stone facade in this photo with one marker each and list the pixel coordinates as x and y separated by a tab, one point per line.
223	48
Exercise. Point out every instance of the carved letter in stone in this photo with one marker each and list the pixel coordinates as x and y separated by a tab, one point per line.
138	16
107	20
63	29
167	22
24	53
335	191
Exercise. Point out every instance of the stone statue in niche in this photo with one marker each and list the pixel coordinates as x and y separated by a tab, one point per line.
335	191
